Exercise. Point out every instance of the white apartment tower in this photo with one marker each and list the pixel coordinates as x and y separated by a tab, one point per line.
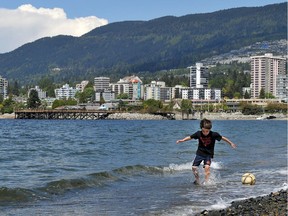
199	76
264	72
65	92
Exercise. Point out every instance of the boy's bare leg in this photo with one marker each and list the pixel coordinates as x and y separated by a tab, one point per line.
207	172
196	174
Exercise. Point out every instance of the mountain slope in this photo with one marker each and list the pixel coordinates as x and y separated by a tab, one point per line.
118	49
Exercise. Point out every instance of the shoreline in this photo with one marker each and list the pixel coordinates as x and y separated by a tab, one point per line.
274	204
179	116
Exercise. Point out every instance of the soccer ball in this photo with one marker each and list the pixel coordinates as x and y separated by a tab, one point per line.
248	178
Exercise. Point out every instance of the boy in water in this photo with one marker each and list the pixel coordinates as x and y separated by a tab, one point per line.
205	152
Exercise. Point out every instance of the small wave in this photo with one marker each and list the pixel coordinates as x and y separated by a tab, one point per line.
99	179
59	187
138	169
10	195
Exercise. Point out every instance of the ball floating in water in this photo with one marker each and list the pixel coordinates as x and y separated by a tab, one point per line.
248	178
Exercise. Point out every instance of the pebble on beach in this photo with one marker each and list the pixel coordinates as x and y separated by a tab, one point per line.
274	204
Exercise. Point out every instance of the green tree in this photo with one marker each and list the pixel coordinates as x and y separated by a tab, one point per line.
269	95
7	106
59	103
33	99
14	89
102	100
1	98
123	96
86	96
152	105
246	95
262	94
186	105
47	84
249	109
236	95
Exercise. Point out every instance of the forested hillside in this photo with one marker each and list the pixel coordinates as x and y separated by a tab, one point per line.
131	47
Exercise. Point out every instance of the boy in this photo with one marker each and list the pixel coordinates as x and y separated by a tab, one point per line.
205	152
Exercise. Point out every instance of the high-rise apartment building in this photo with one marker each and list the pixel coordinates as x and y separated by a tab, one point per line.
101	83
131	85
3	87
199	76
282	87
264	72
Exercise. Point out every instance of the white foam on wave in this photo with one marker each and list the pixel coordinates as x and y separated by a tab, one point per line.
220	205
283	171
217	165
188	166
178	167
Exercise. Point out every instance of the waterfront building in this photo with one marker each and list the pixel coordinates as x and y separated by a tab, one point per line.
107	95
177	91
152	90
199	75
82	85
282	87
166	93
101	83
3	87
264	72
201	94
131	85
65	92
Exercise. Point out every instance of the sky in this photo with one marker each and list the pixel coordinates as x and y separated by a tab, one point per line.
24	21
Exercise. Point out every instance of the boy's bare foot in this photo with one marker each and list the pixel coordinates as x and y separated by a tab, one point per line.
196	182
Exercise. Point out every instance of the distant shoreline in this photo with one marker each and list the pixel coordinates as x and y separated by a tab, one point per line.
178	116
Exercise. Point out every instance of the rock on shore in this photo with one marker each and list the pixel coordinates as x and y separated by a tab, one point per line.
135	116
274	204
179	116
7	116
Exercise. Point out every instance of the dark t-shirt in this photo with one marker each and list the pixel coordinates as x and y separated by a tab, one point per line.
206	144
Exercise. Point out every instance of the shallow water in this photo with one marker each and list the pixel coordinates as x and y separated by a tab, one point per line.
118	167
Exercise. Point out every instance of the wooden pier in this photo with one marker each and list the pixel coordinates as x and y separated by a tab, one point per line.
62	114
75	114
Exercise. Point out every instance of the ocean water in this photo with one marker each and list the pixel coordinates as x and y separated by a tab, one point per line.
118	167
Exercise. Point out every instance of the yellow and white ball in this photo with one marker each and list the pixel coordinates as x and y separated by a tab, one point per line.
248	178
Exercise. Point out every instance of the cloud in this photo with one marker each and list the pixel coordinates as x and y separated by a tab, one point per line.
27	24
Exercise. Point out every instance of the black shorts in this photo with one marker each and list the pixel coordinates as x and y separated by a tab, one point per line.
198	159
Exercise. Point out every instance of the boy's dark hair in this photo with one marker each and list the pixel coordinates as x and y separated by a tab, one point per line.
205	123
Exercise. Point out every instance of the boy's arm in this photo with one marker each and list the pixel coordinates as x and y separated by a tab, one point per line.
183	140
229	142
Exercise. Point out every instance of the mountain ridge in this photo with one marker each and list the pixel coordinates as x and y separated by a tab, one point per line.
122	48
